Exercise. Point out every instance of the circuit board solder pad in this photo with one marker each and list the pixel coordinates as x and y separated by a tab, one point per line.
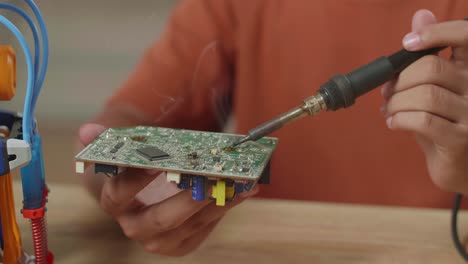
181	151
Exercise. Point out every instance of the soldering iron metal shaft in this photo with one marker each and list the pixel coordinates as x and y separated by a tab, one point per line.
341	91
310	106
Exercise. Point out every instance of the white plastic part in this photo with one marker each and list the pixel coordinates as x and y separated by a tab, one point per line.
22	152
173	177
80	167
27	259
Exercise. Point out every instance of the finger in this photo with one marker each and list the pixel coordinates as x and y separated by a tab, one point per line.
460	56
119	192
423	123
173	239
192	243
170	215
451	33
433	70
162	217
429	98
388	89
158	190
421	19
88	132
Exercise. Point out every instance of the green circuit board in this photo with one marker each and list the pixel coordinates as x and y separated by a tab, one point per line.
181	151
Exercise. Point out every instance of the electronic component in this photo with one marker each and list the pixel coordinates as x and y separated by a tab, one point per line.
198	188
173	177
218	167
185	182
139	138
215	151
173	150
153	153
107	169
191	159
230	190
238	187
219	192
117	147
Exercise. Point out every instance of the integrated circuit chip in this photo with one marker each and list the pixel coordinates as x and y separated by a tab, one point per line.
152	153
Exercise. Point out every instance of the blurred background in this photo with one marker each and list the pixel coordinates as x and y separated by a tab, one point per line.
94	45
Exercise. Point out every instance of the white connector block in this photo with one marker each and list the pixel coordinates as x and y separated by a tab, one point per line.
173	177
80	167
21	150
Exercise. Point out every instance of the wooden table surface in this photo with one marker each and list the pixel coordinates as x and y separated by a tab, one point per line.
260	231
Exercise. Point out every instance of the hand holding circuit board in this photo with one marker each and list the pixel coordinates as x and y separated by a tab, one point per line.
196	162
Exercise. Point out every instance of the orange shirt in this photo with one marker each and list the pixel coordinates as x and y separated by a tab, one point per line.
259	58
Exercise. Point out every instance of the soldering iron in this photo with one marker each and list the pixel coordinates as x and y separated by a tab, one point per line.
342	90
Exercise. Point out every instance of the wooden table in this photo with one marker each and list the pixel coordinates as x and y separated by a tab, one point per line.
260	231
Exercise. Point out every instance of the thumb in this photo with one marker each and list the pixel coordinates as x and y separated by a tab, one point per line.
421	19
88	132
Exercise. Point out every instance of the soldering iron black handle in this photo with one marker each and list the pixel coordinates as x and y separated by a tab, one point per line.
341	91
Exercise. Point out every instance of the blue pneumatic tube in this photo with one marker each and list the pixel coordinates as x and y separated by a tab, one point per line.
32	178
25	16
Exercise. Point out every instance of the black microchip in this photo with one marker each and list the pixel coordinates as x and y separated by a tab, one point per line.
119	145
152	153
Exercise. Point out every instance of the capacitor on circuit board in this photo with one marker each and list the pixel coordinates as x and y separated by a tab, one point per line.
7	73
184	183
198	188
230	190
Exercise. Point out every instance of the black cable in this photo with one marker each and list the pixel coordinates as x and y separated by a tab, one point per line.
458	245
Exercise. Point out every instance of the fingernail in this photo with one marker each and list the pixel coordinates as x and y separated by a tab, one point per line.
387	89
411	41
389	122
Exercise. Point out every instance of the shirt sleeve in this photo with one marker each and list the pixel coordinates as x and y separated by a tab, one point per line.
184	80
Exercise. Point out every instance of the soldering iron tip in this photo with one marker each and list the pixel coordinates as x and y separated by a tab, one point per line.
245	139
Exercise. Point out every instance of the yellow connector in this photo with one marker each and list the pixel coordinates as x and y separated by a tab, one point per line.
219	192
229	192
7	73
